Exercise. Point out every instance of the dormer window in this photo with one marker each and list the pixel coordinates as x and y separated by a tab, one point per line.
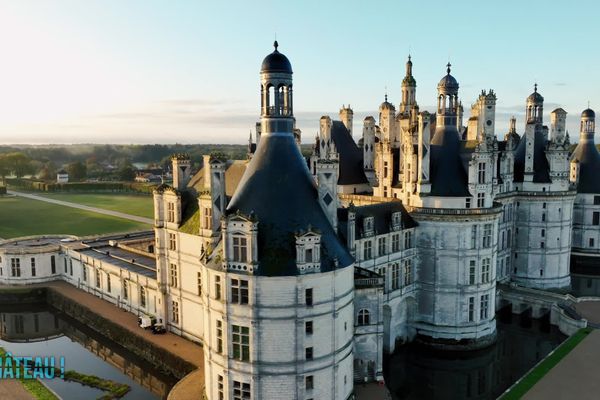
396	220
240	249
368	226
308	247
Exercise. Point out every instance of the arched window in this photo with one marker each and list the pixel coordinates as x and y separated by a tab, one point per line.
363	317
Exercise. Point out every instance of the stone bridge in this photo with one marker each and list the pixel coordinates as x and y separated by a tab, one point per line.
539	303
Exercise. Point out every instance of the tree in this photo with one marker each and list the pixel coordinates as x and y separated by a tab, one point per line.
126	173
48	172
4	167
77	171
19	164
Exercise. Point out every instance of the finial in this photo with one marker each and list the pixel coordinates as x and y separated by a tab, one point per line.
535	87
408	57
588	104
276	45
386	93
448	67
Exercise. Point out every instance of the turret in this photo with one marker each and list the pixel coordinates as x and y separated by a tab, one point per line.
409	89
387	118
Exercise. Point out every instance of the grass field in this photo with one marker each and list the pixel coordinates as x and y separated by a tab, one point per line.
23	217
139	205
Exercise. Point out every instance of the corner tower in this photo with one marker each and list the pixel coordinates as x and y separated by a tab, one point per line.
279	321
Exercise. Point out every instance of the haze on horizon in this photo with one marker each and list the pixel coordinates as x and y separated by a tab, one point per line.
187	72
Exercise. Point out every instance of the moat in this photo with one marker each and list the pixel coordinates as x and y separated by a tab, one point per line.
33	330
416	372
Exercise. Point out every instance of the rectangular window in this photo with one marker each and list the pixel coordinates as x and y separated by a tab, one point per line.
591	242
172	242
487	235
468	202
408	240
207	218
142	297
381	247
596	200
308	327
596	218
308	352
220	389
199	282
543	233
15	267
485	270
240	341
471	272
367	250
480	200
219	336
173	281
308	296
309	383
385	169
509	238
32	266
308	255
98	279
543	217
84	272
239	291
170	212
71	267
542	245
471	309
407	272
108	282
239	249
502	243
481	173
241	391
175	312
395	276
218	287
65	260
53	264
395	242
483	309
125	290
474	236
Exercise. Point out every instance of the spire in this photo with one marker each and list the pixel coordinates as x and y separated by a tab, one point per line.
535	88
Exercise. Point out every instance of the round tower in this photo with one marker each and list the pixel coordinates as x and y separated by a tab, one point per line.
447	109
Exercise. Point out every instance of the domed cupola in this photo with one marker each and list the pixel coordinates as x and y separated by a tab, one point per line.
277	112
276	62
535	107
386	105
448	84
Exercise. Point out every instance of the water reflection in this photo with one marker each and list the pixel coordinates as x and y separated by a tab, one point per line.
416	372
40	330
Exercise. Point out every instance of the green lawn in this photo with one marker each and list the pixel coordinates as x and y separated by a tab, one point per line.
139	205
23	217
533	377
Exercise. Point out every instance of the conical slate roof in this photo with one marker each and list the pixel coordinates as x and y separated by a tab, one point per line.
278	190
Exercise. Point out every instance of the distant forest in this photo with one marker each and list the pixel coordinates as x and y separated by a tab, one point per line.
105	162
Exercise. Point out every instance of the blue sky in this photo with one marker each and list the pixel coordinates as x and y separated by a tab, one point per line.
187	71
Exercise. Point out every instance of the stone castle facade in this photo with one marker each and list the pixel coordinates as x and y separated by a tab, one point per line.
297	275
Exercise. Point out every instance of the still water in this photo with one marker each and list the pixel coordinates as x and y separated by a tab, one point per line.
42	331
416	372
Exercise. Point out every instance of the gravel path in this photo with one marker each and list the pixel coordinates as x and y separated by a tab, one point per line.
83	207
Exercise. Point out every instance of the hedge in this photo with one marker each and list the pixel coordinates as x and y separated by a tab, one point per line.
30	184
